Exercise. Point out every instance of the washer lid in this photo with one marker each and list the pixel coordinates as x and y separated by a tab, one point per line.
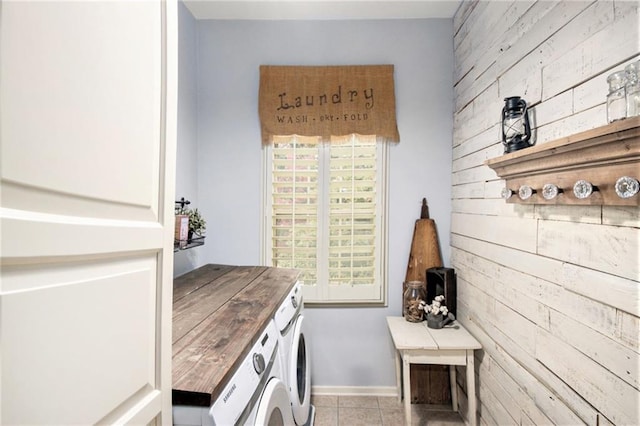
299	374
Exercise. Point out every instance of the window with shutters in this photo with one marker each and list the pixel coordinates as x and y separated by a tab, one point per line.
325	215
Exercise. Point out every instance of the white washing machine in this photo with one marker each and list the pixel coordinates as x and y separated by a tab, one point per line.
255	395
296	365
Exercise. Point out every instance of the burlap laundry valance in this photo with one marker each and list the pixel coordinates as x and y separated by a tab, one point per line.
327	101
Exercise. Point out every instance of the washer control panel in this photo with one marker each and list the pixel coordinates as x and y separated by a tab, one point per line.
291	306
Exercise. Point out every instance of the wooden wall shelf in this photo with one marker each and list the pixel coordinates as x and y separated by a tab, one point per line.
599	156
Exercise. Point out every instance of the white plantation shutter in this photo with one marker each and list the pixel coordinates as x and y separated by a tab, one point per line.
352	212
325	215
295	205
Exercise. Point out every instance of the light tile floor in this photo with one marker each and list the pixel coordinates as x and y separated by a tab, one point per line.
333	410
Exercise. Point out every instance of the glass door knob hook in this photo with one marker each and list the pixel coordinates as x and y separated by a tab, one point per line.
525	192
506	193
550	191
627	187
583	189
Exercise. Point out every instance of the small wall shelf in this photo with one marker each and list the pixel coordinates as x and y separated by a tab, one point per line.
599	156
194	242
194	226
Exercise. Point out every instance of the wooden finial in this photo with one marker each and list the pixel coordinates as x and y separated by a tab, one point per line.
424	213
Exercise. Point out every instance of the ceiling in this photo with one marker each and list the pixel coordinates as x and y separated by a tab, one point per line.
322	9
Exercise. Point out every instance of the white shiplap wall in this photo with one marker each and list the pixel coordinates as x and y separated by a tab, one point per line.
552	292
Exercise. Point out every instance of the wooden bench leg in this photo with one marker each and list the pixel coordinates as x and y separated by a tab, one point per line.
406	374
399	375
454	387
471	387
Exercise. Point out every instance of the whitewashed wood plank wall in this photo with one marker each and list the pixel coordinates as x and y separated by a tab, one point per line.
552	292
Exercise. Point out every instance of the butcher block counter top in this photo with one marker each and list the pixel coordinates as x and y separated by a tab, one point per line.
218	314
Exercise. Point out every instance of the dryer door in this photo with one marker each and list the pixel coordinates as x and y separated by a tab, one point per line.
274	408
300	374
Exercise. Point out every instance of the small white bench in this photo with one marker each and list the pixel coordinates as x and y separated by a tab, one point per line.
417	344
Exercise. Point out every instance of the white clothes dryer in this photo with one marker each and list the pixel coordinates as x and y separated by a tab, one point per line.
296	366
255	394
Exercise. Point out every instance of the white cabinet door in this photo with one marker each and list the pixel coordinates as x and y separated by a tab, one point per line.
87	171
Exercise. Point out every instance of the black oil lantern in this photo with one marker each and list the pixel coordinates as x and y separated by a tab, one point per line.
516	130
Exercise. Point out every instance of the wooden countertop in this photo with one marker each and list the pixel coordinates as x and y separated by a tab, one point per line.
218	313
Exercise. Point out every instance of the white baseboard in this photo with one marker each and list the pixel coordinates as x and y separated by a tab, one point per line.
355	390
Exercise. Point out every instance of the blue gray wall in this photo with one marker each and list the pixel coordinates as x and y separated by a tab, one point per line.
350	346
